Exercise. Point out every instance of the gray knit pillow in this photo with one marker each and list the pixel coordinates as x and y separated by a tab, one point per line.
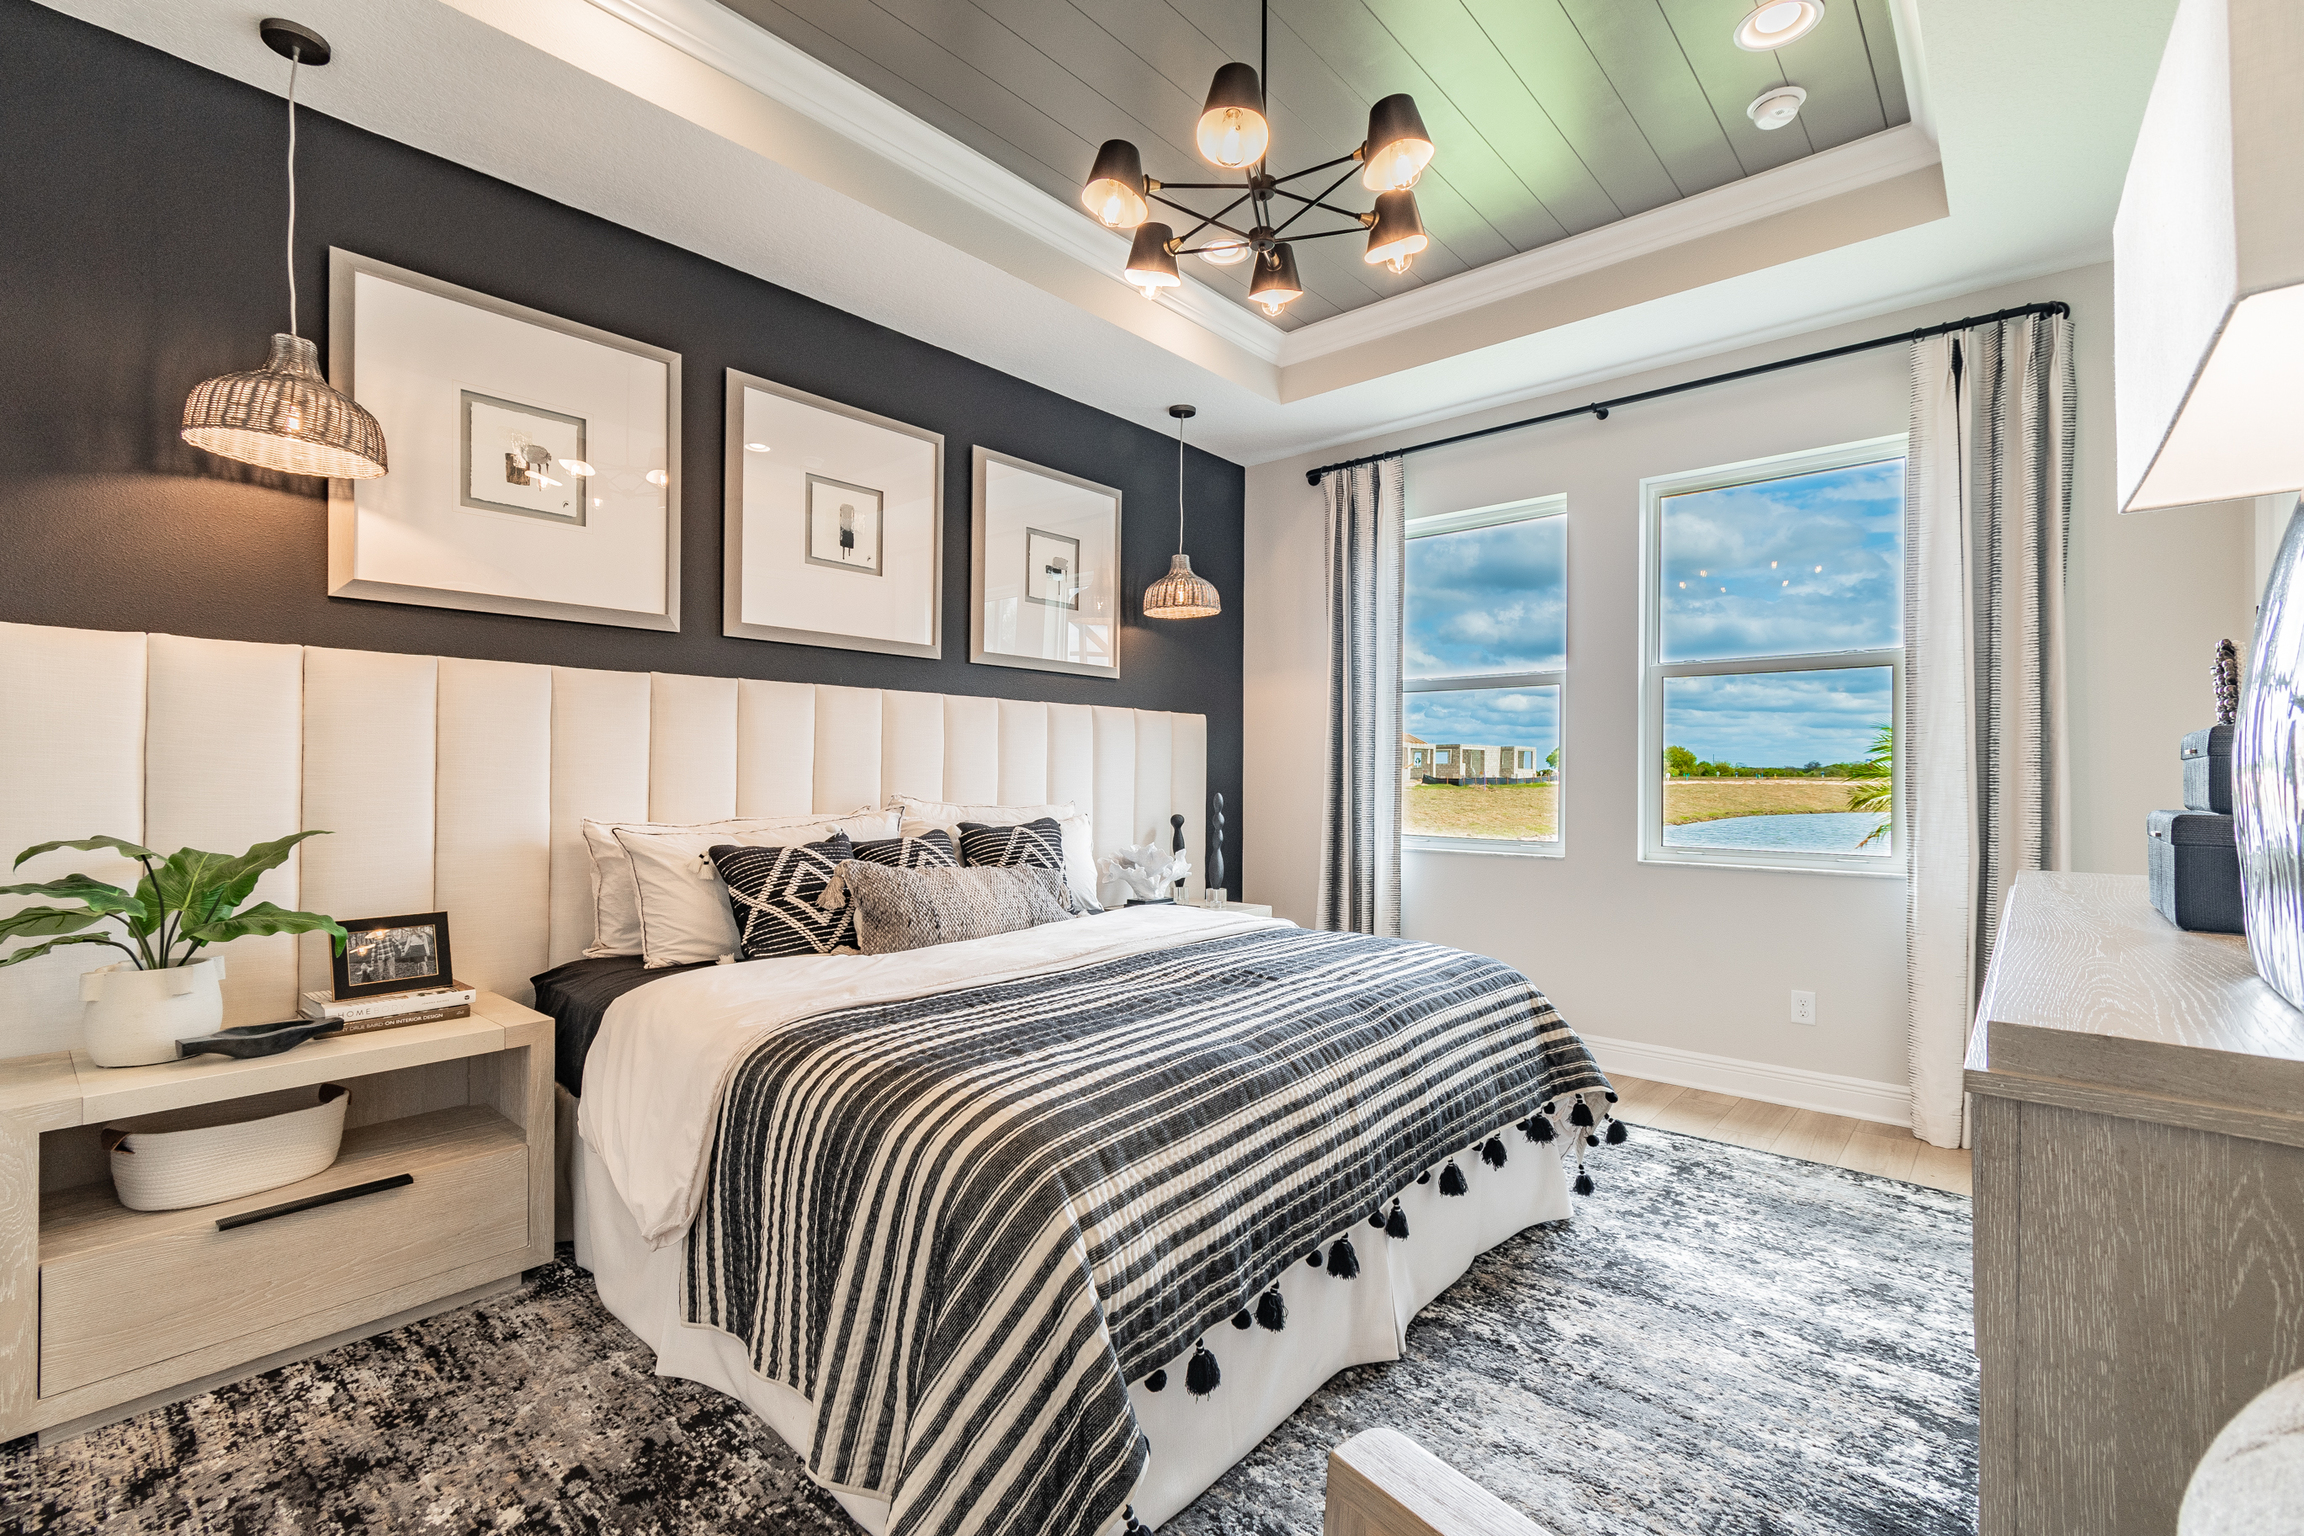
900	909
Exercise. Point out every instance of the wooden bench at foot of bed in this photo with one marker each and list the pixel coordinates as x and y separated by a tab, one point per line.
1381	1483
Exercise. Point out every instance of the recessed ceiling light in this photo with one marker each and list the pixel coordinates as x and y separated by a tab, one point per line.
1773	23
1776	106
755	447
1227	251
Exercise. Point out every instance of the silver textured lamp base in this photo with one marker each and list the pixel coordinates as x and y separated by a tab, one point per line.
2268	777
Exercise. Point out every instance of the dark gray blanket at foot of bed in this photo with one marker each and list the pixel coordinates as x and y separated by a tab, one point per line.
961	1224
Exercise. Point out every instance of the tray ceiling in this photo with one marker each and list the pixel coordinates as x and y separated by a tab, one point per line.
1551	117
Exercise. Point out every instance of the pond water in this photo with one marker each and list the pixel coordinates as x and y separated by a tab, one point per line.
1815	832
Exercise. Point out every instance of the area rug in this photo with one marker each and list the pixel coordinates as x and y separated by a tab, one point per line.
1722	1341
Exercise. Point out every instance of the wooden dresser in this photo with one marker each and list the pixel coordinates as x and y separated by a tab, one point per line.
2139	1156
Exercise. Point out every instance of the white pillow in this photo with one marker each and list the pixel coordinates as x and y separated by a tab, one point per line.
616	894
1079	832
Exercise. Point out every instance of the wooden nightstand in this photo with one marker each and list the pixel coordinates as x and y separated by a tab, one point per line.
106	1311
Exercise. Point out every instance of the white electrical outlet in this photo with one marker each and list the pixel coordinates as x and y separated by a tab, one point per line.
1803	1007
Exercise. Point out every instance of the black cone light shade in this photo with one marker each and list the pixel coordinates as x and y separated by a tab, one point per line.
1115	190
1151	261
1233	132
1396	232
1275	283
1398	148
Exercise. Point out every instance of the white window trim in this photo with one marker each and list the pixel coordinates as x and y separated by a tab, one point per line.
1650	834
1527	510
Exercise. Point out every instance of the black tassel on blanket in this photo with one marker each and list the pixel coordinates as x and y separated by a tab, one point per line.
1493	1152
1396	1224
1616	1133
1271	1310
1343	1263
1452	1181
1202	1376
1581	1114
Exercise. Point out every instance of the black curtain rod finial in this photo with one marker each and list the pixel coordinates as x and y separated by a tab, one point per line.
1599	409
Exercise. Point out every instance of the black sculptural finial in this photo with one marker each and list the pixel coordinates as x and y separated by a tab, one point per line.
1216	845
1176	843
2227	683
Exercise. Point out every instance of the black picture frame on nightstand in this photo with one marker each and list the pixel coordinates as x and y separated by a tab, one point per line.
393	954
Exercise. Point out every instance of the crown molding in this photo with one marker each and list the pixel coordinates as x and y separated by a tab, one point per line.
751	55
1864	162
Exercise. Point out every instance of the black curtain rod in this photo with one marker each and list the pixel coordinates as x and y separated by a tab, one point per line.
1601	408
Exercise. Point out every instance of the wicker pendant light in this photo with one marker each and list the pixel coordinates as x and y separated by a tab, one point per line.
1180	594
284	415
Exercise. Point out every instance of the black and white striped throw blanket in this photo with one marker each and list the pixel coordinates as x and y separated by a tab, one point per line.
960	1224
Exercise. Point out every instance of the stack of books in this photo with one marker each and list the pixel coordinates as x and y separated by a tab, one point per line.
389	1010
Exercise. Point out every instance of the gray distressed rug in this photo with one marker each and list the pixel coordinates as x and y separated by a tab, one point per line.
1723	1341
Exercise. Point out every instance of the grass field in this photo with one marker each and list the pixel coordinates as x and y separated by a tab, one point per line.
1532	811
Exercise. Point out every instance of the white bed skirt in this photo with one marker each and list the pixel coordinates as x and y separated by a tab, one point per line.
1332	1323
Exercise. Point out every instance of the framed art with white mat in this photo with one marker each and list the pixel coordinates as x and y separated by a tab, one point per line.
1045	572
835	524
535	462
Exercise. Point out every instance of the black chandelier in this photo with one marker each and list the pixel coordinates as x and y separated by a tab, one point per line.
1234	134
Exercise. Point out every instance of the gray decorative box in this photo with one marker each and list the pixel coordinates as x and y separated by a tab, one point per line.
2195	869
2208	770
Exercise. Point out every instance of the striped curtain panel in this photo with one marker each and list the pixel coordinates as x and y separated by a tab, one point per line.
1987	503
1367	572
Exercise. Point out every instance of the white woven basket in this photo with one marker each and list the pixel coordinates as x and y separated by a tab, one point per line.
214	1152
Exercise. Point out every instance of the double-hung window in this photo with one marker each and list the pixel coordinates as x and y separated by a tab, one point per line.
1772	624
1486	661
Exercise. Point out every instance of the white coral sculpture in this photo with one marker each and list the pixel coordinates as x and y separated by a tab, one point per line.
1150	872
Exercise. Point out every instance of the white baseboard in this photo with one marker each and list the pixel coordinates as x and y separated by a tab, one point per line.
1858	1098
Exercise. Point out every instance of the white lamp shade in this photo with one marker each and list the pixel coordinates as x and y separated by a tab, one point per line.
2208	275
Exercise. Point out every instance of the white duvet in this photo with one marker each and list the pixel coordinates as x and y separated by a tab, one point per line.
665	1051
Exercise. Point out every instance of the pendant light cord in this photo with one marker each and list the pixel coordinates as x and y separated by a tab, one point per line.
1179	485
295	57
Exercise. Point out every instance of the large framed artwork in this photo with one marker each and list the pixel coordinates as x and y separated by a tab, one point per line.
535	465
835	524
1045	580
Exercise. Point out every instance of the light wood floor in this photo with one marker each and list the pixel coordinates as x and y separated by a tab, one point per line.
1864	1145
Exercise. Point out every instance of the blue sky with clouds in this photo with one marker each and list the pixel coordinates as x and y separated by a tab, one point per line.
1779	719
1796	566
1487	717
1783	567
1485	601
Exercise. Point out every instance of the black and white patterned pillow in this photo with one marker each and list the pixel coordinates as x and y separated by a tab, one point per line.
1025	845
932	849
773	893
915	908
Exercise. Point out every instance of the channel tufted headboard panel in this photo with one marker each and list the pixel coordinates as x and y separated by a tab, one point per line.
455	785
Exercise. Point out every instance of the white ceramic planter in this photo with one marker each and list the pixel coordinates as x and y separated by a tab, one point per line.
213	1152
130	1017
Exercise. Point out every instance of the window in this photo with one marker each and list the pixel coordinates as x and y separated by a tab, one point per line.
1773	650
1486	659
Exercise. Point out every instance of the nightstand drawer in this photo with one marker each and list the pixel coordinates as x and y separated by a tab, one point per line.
120	1290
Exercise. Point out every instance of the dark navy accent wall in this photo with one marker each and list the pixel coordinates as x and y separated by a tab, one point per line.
142	205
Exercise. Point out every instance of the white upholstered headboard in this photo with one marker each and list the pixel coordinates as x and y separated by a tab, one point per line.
455	785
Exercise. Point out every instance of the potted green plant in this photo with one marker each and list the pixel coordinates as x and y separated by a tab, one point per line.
135	1010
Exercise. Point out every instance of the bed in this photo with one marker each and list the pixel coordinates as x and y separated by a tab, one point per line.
994	1235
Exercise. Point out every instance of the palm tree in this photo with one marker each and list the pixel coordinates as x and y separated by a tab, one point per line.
1875	786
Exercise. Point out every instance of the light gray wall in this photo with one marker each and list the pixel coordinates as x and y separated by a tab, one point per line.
1703	959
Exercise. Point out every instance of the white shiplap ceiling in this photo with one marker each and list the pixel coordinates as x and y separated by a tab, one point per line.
679	119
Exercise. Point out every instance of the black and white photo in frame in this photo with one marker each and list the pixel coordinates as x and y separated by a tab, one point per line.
820	493
523	458
1051	569
843	526
1044	577
393	954
534	459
